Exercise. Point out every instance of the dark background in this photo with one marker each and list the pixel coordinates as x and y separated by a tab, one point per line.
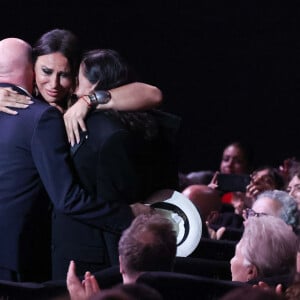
230	69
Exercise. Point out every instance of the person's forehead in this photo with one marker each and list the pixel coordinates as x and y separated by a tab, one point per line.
264	205
54	60
232	149
261	173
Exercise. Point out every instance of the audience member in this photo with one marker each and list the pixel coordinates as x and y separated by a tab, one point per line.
293	291
239	202
215	221
148	244
208	203
267	248
237	158
288	168
293	187
278	204
262	179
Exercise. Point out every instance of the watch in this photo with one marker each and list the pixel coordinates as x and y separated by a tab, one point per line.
99	97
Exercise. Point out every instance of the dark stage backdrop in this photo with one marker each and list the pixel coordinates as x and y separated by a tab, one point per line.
230	69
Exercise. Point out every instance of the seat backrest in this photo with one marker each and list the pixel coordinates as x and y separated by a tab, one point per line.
32	291
215	249
217	269
177	286
109	277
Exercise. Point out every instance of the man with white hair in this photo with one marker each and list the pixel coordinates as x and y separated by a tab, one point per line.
267	248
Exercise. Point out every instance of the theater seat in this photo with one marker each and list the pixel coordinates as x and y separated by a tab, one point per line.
215	249
109	277
177	286
217	269
32	291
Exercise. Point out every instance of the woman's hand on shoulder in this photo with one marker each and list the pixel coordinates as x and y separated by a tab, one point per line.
10	99
74	120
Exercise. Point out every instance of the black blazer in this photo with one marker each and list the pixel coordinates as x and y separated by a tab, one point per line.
123	168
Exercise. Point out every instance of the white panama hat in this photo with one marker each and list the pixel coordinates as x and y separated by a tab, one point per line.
184	215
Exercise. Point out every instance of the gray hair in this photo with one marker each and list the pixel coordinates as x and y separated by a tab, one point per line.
288	211
269	244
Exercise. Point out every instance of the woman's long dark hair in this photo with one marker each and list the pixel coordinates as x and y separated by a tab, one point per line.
109	70
62	41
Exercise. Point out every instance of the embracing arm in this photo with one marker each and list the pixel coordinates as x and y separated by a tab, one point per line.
11	99
50	151
133	96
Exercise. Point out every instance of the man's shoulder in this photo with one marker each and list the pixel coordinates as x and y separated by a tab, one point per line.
38	109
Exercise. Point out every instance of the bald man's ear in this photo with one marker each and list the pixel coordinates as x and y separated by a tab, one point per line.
252	272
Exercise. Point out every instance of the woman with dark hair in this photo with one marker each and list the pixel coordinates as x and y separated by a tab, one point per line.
56	57
124	157
105	69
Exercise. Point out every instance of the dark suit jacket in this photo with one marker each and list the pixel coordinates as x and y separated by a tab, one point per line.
122	167
34	162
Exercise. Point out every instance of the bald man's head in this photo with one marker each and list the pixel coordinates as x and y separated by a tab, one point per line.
205	199
16	63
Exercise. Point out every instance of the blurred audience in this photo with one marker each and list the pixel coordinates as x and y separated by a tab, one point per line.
262	179
293	187
278	204
237	158
289	167
208	203
215	221
293	291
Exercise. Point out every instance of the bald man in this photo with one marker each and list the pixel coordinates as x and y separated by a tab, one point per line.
209	204
35	166
207	200
16	63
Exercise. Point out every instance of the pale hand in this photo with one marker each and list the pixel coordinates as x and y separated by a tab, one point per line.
74	120
81	290
10	99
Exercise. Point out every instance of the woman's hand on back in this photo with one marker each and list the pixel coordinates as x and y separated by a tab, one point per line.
10	99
